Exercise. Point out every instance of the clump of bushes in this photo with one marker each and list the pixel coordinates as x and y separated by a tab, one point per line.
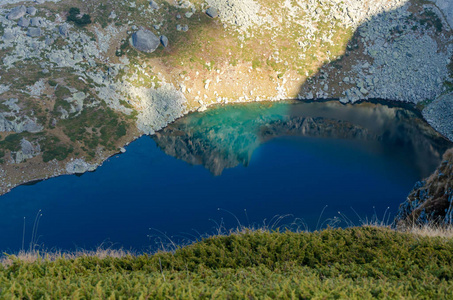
11	142
355	263
73	16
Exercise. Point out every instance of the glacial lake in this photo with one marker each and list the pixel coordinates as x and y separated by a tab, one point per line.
312	164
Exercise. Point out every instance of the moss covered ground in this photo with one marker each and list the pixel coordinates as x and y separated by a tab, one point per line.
354	263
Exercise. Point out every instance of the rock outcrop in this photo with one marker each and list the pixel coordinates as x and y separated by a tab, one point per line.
78	166
431	200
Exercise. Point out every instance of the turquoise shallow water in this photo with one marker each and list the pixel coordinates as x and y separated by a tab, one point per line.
266	158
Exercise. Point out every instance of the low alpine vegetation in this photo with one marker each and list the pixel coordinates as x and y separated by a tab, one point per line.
354	263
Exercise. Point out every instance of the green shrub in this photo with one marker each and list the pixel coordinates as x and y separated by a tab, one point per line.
356	263
73	16
12	142
52	82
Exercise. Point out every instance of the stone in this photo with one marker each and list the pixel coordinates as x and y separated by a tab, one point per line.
40	1
145	41
27	147
212	12
63	29
36	22
164	41
17	12
153	5
31	10
185	28
23	22
49	41
78	166
34	32
8	36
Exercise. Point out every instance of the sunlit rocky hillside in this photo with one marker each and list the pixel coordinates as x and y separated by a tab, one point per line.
81	79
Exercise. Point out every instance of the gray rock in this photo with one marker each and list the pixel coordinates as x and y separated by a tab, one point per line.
17	12
185	28
153	5
145	41
79	166
34	32
40	1
31	10
63	29
23	22
27	147
36	22
212	12
49	41
164	41
8	36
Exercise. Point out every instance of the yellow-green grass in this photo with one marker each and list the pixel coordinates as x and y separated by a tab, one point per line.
354	263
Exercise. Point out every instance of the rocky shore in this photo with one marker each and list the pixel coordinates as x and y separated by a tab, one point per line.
431	200
71	95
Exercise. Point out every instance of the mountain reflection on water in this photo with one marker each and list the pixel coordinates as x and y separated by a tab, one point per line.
226	136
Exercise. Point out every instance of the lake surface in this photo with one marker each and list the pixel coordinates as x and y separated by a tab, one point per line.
254	161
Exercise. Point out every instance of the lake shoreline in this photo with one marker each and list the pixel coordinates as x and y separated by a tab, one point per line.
91	167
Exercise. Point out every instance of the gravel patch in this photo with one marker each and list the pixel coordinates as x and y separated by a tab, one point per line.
439	114
242	13
6	2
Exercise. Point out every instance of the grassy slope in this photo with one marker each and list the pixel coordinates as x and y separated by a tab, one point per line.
355	263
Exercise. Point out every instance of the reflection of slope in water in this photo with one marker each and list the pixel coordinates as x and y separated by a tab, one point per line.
226	136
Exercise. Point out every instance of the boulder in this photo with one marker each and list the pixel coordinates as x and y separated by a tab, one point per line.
27	147
36	22
8	36
23	22
49	41
212	12
40	1
78	166
63	29
34	32
145	41
17	12
164	41
153	5
31	11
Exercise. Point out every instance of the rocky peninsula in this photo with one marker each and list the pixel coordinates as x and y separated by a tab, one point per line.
80	79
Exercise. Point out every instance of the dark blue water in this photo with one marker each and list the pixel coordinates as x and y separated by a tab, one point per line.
146	188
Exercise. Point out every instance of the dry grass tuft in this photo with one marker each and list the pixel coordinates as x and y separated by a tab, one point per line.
430	231
38	256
